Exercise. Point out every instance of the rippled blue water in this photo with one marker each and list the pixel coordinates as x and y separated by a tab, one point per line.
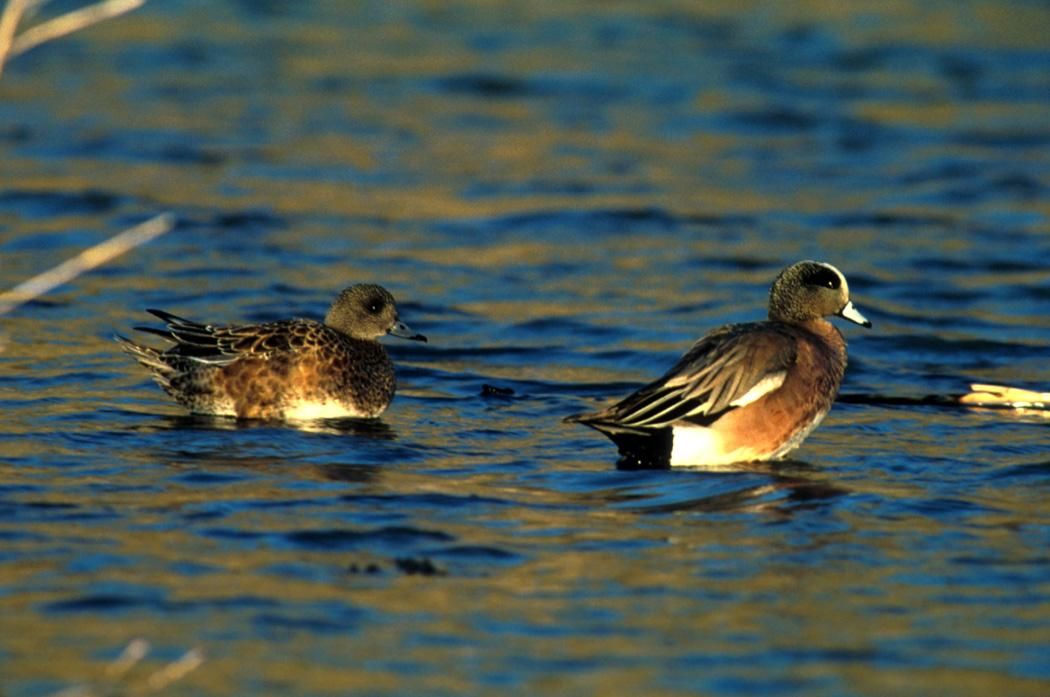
562	196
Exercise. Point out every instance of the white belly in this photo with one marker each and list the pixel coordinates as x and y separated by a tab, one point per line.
307	411
699	445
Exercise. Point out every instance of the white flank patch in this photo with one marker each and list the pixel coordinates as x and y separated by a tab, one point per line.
697	445
701	446
761	389
306	411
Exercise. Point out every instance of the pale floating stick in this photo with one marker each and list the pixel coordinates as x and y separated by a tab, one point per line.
71	22
85	261
1004	396
177	670
128	658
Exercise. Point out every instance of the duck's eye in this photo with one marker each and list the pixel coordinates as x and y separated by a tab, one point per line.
823	277
375	307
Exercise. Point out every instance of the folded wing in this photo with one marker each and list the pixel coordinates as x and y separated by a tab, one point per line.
729	368
222	345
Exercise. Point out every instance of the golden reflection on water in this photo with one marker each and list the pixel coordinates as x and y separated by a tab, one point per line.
455	157
835	573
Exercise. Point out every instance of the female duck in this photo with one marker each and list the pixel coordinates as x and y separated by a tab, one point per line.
292	369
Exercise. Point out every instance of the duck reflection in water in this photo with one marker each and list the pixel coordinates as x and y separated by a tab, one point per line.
374	429
785	486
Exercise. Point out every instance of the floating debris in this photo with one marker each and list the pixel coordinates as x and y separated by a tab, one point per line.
419	567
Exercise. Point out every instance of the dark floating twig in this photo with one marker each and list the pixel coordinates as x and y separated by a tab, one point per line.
938	400
410	566
420	567
370	569
488	390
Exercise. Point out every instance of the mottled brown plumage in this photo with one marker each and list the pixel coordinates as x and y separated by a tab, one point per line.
294	369
750	391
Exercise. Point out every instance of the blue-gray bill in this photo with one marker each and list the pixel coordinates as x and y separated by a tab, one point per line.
853	315
401	330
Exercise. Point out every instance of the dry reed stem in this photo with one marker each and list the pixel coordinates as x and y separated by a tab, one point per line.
71	22
175	671
85	261
11	46
13	12
134	652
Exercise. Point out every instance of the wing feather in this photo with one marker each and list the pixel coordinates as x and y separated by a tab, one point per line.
730	367
222	345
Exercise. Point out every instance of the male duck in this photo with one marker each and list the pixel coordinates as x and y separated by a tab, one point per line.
745	392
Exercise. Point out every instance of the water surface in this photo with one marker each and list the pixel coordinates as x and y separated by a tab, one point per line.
563	197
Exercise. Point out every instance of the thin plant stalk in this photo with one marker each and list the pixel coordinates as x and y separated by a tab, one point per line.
11	45
85	261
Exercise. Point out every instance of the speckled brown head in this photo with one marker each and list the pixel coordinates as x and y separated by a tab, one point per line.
367	311
809	290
